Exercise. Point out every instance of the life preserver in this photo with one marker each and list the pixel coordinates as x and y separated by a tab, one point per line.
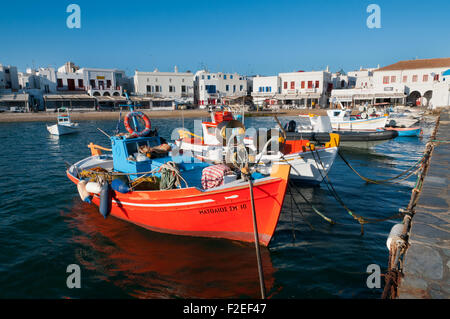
146	120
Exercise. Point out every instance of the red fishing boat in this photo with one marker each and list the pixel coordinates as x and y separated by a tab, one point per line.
223	210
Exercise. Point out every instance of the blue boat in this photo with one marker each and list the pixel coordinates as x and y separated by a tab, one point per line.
406	131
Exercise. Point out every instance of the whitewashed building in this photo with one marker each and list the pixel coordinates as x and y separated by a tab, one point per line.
420	80
168	86
9	78
211	88
265	90
306	89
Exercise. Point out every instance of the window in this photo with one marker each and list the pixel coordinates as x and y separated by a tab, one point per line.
285	85
405	78
171	88
393	79
80	83
224	76
317	84
149	88
203	77
241	88
292	85
108	83
92	83
60	83
234	88
260	89
209	77
303	85
425	78
310	84
183	89
414	79
385	80
210	88
158	88
436	77
231	77
268	89
227	88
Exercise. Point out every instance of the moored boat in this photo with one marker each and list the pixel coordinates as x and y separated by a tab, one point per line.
343	120
164	204
320	128
406	131
64	125
310	162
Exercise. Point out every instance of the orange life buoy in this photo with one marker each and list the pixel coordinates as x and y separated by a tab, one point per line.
146	120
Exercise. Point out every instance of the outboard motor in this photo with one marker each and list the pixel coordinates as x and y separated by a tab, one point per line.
292	126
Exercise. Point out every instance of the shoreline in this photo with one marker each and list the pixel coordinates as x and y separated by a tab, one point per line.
7	117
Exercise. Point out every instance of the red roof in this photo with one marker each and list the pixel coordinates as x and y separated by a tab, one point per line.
418	64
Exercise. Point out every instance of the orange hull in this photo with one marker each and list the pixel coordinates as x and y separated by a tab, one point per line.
222	213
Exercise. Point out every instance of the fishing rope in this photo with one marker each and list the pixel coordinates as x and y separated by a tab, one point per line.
315	210
362	220
298	208
383	181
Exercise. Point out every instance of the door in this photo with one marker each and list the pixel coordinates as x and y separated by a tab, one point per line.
71	84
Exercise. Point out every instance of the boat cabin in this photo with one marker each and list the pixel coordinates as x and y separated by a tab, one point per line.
127	158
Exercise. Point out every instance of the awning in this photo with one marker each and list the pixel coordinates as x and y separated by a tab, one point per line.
14	98
297	96
446	73
62	97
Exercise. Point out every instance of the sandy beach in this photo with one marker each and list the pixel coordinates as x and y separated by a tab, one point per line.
7	117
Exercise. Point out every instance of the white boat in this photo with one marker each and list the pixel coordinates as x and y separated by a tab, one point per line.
64	125
343	120
308	163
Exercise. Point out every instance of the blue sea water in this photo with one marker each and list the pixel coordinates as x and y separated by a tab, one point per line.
44	227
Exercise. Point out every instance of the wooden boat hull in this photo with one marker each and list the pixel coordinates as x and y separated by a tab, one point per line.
58	129
368	124
406	132
359	139
224	212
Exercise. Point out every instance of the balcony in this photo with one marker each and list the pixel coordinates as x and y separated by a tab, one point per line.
101	90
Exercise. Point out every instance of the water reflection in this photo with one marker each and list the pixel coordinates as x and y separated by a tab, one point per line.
146	264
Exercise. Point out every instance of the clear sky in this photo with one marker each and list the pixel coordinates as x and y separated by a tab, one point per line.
244	36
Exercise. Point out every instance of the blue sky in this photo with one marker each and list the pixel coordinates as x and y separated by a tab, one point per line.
248	37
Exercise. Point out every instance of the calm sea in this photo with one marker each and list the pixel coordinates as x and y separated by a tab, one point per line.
44	227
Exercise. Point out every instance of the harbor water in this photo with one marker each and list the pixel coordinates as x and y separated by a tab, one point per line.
44	227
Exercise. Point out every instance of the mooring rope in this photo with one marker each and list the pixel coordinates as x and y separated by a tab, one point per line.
387	180
361	219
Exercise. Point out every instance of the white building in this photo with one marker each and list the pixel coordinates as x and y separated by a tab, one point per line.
8	78
265	89
308	89
211	88
419	80
171	86
360	90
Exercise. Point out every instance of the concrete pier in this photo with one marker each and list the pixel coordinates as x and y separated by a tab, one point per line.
427	260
